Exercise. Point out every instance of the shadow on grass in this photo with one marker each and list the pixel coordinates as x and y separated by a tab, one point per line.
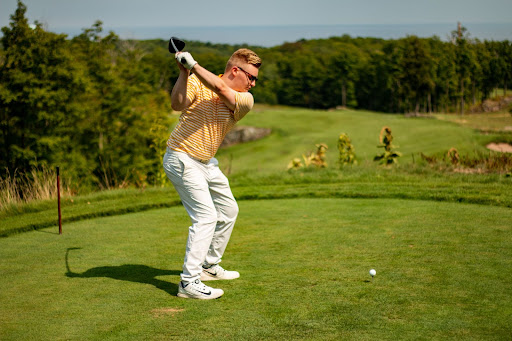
137	273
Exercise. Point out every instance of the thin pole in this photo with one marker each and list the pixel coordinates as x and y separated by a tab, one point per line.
58	200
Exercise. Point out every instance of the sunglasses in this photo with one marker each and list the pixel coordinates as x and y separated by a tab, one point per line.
251	77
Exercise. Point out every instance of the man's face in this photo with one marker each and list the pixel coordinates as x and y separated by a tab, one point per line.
246	76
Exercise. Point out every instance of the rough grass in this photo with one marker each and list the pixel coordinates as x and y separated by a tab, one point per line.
38	185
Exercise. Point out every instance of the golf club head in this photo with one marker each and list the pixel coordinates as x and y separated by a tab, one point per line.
176	45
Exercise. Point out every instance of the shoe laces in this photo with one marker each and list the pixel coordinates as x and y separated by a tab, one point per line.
199	285
217	269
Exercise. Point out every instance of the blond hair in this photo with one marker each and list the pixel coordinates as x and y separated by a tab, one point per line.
243	56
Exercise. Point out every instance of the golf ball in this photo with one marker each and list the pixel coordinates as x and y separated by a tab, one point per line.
373	272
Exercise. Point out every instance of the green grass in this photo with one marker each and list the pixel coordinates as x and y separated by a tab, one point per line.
486	122
443	272
304	242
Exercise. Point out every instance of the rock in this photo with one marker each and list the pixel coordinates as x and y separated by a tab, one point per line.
241	134
496	105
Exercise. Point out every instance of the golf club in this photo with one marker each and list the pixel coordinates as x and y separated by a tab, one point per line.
176	45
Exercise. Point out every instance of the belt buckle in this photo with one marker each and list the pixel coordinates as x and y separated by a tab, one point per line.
204	162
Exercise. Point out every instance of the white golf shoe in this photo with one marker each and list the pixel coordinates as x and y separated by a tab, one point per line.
197	289
216	272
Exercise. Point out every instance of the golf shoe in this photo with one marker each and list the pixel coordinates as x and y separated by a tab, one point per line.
197	289
216	272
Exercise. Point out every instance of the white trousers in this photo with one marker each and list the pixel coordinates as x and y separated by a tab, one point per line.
204	191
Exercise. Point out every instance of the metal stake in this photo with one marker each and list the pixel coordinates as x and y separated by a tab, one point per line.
58	200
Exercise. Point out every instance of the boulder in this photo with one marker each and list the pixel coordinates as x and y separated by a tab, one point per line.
242	134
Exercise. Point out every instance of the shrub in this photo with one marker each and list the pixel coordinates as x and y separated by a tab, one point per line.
389	156
314	158
347	155
453	156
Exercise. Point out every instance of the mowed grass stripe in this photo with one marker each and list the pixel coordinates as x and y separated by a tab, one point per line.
443	272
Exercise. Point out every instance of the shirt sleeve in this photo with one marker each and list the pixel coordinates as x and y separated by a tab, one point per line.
193	84
243	104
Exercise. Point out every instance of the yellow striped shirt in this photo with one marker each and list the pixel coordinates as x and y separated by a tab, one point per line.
204	124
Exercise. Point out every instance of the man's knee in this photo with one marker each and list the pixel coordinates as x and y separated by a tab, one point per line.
207	219
232	212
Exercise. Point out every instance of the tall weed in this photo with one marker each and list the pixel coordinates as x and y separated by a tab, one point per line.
38	184
480	162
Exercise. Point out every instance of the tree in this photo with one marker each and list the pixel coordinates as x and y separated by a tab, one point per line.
444	74
128	120
303	80
38	84
345	65
505	51
376	87
416	70
485	83
465	61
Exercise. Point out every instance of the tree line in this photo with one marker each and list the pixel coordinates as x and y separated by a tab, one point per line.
399	76
94	104
99	106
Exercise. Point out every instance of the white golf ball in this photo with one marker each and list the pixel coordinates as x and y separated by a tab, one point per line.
373	272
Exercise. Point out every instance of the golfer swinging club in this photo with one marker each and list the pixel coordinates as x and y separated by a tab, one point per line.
210	106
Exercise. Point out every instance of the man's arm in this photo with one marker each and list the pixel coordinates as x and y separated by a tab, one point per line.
179	100
217	85
212	82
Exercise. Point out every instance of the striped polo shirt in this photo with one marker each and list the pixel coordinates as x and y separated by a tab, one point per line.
204	124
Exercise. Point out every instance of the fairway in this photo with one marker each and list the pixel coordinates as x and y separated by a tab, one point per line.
296	131
443	272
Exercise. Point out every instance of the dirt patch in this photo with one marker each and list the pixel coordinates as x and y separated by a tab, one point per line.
161	312
469	170
500	147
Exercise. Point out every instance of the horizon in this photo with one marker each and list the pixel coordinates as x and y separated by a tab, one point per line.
132	16
269	22
274	35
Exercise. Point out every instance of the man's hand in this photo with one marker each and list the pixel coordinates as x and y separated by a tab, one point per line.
185	59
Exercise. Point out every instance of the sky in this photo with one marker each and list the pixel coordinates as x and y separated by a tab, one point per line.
58	14
122	13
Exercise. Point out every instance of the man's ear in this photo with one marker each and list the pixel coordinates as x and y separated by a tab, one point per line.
232	72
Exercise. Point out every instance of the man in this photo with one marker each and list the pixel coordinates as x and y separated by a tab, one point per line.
210	105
